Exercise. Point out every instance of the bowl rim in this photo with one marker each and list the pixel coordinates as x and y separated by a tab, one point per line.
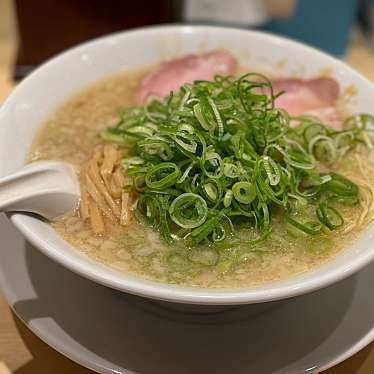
165	291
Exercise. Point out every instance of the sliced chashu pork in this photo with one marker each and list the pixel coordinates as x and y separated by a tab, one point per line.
171	75
316	96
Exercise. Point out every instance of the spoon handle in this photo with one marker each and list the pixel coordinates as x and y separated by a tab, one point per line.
47	188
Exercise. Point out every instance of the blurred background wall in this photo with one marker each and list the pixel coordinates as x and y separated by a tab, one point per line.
7	46
32	31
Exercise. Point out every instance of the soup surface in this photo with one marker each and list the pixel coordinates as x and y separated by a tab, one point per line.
70	134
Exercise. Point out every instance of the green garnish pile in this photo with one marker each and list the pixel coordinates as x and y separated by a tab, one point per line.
218	155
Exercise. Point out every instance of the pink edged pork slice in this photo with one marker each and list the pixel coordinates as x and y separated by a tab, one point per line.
171	75
315	97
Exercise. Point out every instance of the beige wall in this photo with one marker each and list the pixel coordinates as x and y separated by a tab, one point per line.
7	21
7	45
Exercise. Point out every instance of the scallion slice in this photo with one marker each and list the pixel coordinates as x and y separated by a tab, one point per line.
244	192
308	227
162	175
329	216
188	210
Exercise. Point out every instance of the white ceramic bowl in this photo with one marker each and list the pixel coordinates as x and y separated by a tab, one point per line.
40	93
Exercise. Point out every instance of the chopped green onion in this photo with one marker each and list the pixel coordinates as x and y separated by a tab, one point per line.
211	164
199	115
218	117
220	150
188	210
228	198
312	130
186	172
244	192
323	148
186	142
211	191
341	186
231	170
329	216
309	227
272	170
162	175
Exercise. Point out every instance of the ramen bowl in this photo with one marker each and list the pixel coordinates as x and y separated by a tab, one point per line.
42	91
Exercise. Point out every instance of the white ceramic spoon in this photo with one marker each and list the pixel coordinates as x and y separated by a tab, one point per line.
47	188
